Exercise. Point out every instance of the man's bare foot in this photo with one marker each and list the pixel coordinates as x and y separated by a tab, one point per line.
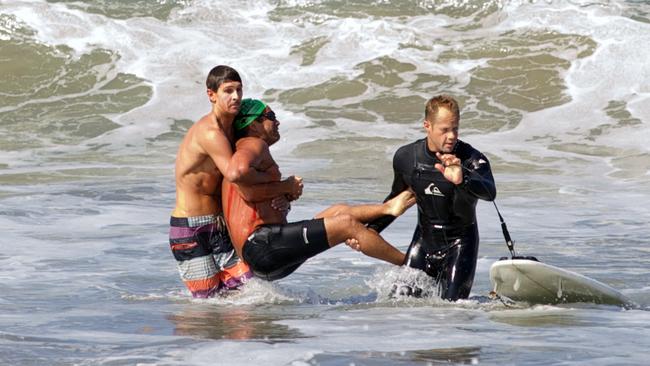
400	203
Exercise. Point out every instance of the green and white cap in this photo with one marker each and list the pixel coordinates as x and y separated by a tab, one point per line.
249	111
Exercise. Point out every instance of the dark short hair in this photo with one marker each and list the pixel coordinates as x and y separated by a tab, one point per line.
440	101
219	75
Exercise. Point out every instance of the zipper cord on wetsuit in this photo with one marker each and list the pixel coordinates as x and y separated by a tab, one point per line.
435	206
504	228
418	172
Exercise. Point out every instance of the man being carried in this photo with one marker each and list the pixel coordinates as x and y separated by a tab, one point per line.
198	239
261	235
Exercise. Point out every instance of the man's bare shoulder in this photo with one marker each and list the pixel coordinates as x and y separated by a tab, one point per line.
251	143
207	123
207	131
252	140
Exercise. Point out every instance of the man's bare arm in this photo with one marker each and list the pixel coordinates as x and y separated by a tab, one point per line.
253	157
217	146
291	188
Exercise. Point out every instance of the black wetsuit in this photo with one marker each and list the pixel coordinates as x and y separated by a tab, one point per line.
445	242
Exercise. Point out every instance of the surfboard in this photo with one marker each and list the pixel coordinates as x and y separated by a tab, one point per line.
538	283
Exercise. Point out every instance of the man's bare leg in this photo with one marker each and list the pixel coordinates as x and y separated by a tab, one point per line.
342	227
366	213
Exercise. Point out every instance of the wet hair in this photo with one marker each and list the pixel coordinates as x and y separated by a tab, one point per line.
219	75
440	101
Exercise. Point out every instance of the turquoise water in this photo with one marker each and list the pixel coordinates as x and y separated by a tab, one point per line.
95	97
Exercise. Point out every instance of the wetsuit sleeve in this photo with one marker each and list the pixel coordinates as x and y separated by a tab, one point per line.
478	179
399	185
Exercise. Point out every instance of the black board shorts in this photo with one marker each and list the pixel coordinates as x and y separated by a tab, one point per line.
275	251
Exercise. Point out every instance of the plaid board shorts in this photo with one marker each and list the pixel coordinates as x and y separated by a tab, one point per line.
206	259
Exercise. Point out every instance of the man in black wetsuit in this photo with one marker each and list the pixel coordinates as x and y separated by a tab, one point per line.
448	177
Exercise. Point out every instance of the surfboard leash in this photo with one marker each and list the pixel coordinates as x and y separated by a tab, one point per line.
504	228
506	234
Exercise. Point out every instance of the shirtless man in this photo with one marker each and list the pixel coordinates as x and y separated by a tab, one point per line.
261	235
198	238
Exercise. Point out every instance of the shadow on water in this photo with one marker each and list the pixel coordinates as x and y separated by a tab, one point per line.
233	323
492	355
454	356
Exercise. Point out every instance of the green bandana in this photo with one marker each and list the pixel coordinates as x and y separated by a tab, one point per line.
249	111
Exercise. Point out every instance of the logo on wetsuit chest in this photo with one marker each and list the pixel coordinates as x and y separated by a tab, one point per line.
433	190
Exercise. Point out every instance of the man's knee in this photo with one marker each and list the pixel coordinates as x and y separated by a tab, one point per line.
338	209
350	222
344	225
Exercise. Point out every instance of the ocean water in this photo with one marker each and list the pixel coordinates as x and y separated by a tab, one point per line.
95	97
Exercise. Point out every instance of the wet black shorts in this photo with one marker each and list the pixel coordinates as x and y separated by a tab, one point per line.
275	251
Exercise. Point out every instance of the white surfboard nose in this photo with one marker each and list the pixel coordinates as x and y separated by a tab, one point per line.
538	283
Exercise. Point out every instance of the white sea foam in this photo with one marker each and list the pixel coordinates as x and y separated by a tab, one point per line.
175	55
616	71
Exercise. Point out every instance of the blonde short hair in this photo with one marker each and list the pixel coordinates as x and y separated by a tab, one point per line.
440	101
